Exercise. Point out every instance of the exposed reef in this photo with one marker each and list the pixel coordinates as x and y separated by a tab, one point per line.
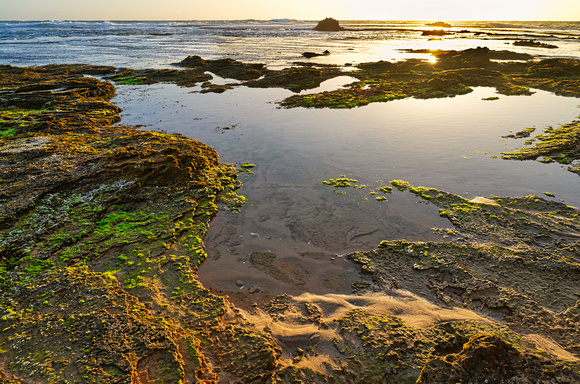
533	43
513	260
102	230
226	68
184	78
559	144
454	73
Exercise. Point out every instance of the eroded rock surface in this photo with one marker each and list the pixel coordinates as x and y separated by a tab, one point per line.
102	229
101	232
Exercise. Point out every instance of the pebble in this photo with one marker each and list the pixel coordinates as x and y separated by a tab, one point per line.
239	283
254	289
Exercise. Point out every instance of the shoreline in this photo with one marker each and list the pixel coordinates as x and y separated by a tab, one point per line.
120	219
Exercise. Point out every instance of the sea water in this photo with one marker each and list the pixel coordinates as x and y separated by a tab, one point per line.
277	43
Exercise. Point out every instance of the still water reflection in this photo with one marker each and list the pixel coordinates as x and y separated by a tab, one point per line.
293	227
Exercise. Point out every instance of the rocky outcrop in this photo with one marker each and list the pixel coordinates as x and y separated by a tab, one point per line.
329	25
102	229
101	232
226	68
489	359
440	24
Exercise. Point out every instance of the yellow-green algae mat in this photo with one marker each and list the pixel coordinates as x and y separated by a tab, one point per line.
102	230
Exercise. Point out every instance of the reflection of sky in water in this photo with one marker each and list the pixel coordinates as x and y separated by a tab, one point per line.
443	143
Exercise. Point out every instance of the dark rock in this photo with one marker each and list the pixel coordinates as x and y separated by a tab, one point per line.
329	24
474	57
254	289
226	68
295	79
532	43
214	88
313	54
440	24
435	32
487	358
191	61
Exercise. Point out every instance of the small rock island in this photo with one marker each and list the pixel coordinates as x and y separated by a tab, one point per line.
329	24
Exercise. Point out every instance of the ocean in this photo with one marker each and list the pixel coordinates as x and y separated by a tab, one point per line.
278	43
453	144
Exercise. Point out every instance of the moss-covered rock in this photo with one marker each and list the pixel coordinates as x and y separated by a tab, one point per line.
101	233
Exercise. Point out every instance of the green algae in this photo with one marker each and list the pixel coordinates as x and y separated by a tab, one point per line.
552	145
341	182
455	73
116	216
499	244
185	78
124	237
246	168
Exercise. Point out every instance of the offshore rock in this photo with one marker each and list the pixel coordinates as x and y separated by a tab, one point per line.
440	24
313	54
435	32
328	25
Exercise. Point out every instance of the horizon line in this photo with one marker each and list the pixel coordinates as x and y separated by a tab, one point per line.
304	20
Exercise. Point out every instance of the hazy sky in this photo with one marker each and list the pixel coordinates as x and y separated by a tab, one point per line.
297	9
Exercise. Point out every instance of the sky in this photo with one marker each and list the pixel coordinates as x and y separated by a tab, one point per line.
567	10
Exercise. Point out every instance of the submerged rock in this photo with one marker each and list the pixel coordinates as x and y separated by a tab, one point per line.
329	25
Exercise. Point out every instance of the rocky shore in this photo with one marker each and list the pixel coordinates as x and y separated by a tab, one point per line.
102	230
